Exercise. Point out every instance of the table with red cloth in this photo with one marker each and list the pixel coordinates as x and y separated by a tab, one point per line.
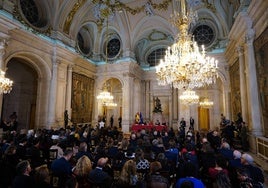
138	127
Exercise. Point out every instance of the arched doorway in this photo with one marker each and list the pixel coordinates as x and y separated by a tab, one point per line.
22	98
114	86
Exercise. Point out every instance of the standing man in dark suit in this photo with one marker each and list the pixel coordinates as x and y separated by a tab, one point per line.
191	123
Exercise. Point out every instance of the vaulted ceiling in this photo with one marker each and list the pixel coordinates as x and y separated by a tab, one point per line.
139	30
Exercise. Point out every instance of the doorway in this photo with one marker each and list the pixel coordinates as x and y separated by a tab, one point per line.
203	119
22	98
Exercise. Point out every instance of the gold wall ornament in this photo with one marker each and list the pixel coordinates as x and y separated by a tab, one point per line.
117	5
70	17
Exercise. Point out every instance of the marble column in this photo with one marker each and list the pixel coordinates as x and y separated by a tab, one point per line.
53	90
175	111
243	87
147	100
127	111
253	92
227	106
69	90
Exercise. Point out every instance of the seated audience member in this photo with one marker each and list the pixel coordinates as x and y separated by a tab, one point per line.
255	173
113	150
164	162
220	165
142	164
206	157
56	146
226	151
41	177
236	161
62	168
233	167
80	173
219	174
155	179
128	176
83	151
98	176
35	154
23	178
189	177
8	166
21	148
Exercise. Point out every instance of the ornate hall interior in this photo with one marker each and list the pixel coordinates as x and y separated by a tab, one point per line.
62	54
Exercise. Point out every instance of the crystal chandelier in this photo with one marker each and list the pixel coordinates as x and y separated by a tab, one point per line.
206	103
184	65
189	97
106	98
5	83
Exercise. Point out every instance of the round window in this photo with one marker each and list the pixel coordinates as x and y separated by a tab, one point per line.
31	13
113	47
204	35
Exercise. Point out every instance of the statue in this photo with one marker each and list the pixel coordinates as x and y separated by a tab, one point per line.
157	105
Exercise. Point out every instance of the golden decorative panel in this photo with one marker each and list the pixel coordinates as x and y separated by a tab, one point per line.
70	17
82	98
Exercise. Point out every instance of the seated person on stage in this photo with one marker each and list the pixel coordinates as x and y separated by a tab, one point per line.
157	122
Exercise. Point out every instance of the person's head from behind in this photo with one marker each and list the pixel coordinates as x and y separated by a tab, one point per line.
237	154
189	170
187	184
83	166
41	173
11	150
68	153
155	167
139	154
83	146
102	162
129	168
23	168
247	159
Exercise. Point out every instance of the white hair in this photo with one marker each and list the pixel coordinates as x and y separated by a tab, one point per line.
248	158
237	154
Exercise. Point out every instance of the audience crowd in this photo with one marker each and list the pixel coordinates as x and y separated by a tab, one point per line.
84	156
